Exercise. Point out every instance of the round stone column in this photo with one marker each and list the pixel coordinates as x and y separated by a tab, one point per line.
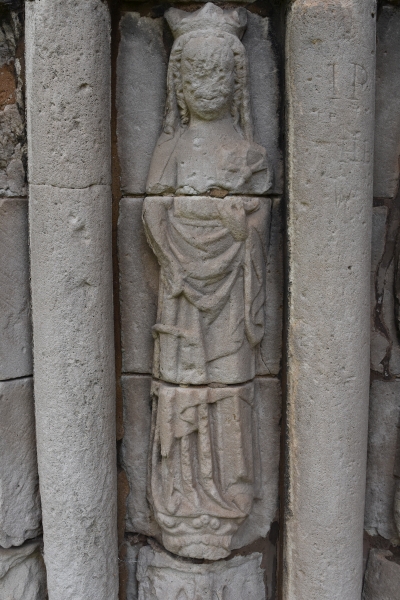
68	106
330	89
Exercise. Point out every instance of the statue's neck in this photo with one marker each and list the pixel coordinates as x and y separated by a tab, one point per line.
221	126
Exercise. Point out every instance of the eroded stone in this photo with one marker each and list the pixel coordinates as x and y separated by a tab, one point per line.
141	97
382	578
207	140
69	91
12	120
382	445
19	483
22	573
330	84
264	91
212	253
161	576
15	323
141	83
136	448
73	324
139	282
135	452
270	355
138	289
387	124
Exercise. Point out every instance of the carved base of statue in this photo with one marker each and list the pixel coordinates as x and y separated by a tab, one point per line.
203	466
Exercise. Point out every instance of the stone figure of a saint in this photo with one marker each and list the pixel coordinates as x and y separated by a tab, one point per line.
207	142
207	223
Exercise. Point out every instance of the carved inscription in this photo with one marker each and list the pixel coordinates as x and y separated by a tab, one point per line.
207	223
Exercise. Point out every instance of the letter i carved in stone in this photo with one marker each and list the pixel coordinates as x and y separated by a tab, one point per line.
207	220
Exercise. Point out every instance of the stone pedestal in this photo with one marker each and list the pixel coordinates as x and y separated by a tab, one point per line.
330	84
68	93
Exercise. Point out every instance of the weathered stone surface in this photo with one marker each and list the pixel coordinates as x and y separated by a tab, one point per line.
15	324
12	121
384	418
72	304
136	445
69	87
382	579
131	555
141	97
22	573
212	253
264	91
141	92
19	484
385	347
138	289
380	341
163	577
270	356
135	451
387	126
330	83
207	140
139	281
204	472
267	416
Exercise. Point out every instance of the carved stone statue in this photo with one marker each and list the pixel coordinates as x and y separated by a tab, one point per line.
211	250
207	142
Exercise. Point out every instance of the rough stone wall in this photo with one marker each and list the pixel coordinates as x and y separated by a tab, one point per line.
22	572
382	513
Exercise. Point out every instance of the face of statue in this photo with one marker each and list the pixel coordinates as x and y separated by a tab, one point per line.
207	68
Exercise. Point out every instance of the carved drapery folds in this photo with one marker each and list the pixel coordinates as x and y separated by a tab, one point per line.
207	223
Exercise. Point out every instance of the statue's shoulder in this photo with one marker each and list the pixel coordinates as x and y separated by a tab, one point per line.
162	173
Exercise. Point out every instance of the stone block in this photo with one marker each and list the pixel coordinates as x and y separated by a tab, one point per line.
130	555
15	323
19	484
138	289
382	578
267	416
136	446
384	417
385	347
139	281
141	92
330	85
69	96
264	92
380	344
387	124
73	324
162	577
12	117
22	573
135	451
270	355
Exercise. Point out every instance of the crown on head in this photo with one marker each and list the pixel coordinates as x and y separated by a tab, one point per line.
209	17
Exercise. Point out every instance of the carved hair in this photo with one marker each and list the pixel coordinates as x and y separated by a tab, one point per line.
176	107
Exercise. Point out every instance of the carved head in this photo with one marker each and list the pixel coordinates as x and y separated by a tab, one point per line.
208	77
207	72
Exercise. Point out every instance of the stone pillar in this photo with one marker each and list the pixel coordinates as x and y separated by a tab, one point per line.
68	89
330	86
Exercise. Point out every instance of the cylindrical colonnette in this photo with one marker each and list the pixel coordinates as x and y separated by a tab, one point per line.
68	88
330	87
